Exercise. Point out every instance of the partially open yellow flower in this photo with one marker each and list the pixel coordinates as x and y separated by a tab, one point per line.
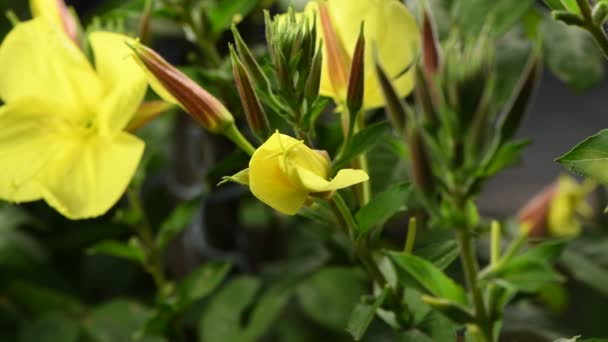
284	171
56	12
62	137
389	27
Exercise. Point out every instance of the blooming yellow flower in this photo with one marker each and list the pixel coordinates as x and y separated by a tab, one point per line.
389	27
56	12
62	137
284	171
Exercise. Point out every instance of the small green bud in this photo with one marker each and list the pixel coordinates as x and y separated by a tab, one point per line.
600	12
313	83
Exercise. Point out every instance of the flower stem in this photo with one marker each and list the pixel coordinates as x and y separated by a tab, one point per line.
411	236
154	263
596	30
233	133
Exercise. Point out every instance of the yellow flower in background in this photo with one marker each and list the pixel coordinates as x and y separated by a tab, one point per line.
284	171
62	137
389	27
567	206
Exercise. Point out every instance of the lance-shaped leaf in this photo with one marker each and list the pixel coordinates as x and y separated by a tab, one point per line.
356	80
589	158
254	112
517	106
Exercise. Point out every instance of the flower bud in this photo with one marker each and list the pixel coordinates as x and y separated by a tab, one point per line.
337	58
430	47
356	80
420	163
175	87
254	112
57	12
258	78
600	12
394	106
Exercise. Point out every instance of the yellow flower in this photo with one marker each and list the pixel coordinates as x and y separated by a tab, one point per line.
62	137
568	204
56	12
284	171
389	27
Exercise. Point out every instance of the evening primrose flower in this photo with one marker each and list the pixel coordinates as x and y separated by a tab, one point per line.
62	137
390	29
57	13
283	172
557	210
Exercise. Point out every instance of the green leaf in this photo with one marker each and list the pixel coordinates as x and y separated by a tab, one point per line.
589	158
383	206
507	155
456	312
222	319
548	251
118	320
501	15
363	141
441	254
38	300
12	216
330	295
177	221
363	314
131	251
20	252
586	271
571	54
201	282
50	328
225	12
427	275
571	6
554	4
527	274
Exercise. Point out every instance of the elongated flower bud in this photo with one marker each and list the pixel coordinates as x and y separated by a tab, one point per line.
430	47
58	13
419	160
173	86
356	80
337	59
394	106
254	112
258	77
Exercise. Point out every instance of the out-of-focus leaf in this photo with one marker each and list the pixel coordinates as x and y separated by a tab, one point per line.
19	251
131	251
201	282
383	206
571	54
500	15
177	221
586	271
224	12
38	300
12	216
571	6
554	4
330	295
118	320
506	155
223	319
548	251
428	276
441	254
363	314
53	327
362	142
527	273
589	158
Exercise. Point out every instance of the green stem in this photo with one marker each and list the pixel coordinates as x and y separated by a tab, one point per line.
495	242
154	263
411	236
364	189
362	251
233	133
596	30
469	264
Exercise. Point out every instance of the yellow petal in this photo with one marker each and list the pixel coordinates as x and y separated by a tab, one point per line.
27	143
90	175
47	8
390	28
37	59
268	182
124	82
343	179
